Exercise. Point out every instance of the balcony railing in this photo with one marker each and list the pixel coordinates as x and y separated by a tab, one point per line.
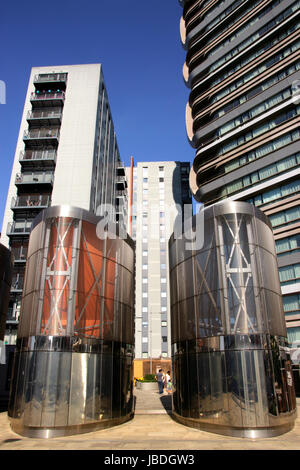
19	228
12	315
34	178
120	193
32	155
59	95
31	201
50	77
19	253
49	114
41	134
17	283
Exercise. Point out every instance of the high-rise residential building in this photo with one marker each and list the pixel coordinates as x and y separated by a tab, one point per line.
66	154
243	69
159	192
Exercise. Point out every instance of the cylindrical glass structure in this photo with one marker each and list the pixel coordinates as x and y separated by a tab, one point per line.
6	267
231	367
73	369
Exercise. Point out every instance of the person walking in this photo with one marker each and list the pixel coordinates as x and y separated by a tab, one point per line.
160	381
168	382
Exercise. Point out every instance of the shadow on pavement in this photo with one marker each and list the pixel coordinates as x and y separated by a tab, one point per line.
166	401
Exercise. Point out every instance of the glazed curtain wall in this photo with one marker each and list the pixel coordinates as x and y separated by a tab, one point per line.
232	371
75	348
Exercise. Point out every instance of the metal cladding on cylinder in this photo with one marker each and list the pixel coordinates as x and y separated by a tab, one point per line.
73	369
231	368
6	268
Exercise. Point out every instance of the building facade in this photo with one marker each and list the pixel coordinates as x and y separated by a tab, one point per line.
66	154
159	192
242	117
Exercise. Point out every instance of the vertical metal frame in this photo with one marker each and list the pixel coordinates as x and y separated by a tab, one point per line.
222	374
68	353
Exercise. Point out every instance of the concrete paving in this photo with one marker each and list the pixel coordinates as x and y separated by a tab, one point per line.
151	429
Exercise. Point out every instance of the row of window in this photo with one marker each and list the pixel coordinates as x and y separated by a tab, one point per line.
289	244
254	112
258	130
250	57
291	303
254	73
225	28
254	37
261	175
285	217
202	16
263	150
258	89
276	193
289	274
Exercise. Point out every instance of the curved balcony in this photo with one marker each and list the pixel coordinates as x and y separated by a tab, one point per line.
47	117
47	99
45	136
33	158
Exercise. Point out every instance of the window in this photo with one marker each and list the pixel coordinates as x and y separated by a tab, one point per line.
161	180
163	280
145	339
285	245
164	339
145	280
163	309
145	253
163	266
144	309
285	217
145	266
163	294
145	294
163	323
289	274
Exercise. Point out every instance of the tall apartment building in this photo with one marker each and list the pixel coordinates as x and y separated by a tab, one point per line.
67	153
159	192
242	66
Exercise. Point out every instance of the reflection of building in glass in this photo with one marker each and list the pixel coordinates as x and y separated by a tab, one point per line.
243	68
231	367
66	153
157	188
75	347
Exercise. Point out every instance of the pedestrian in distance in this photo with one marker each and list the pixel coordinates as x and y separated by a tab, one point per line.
160	381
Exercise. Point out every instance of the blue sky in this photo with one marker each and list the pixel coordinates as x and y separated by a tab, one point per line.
137	42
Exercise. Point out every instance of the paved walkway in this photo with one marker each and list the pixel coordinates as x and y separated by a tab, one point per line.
151	429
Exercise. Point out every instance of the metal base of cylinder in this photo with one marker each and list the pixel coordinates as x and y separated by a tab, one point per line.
48	433
249	433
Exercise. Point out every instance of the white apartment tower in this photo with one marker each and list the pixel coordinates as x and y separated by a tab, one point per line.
66	153
159	189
